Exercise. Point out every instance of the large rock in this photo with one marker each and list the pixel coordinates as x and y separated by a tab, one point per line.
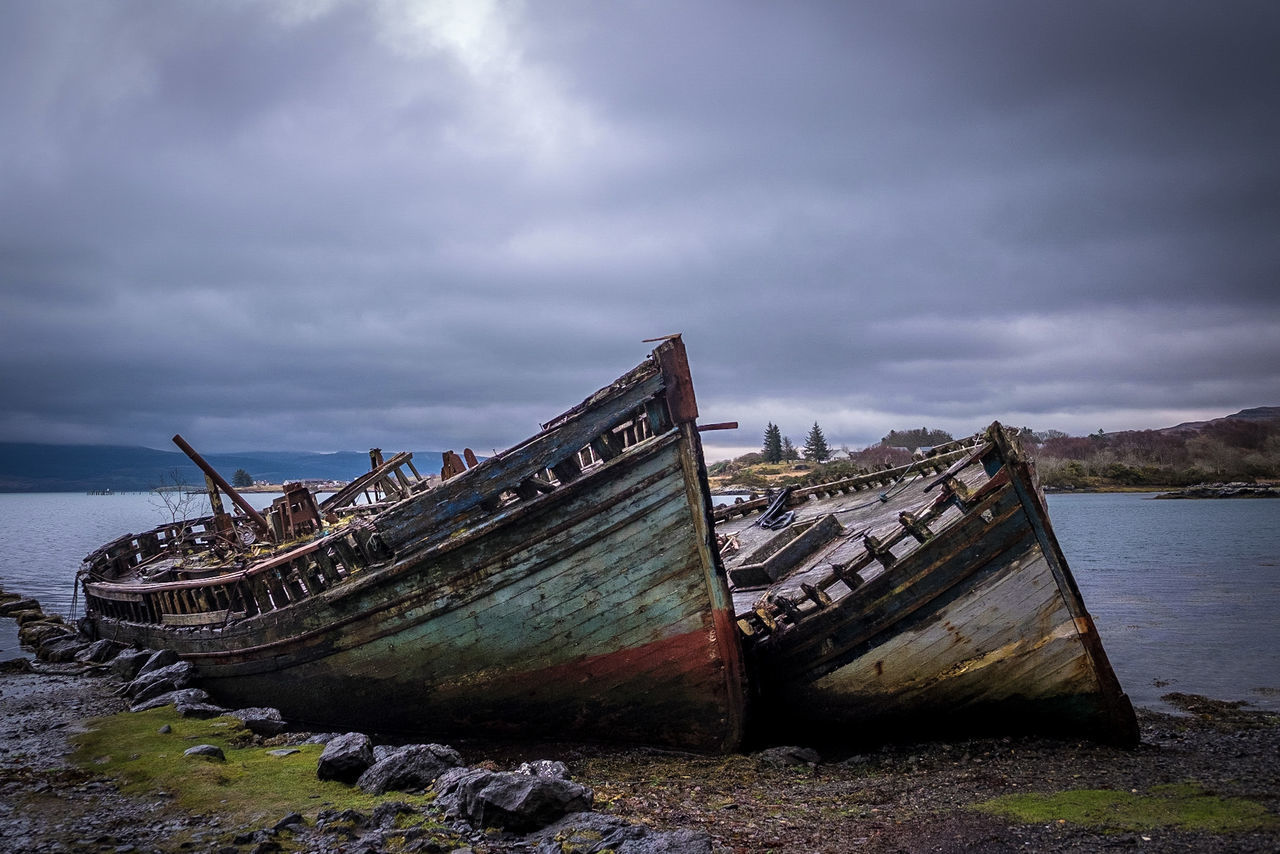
98	652
413	767
13	606
199	710
345	758
157	660
61	649
33	615
593	833
34	634
183	695
153	683
789	755
261	720
127	664
206	751
511	800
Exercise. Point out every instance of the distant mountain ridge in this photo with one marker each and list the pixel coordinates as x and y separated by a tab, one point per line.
1257	413
32	467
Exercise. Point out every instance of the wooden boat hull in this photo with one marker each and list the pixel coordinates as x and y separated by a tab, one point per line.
595	611
981	628
574	586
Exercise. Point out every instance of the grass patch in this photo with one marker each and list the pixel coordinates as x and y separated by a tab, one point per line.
1185	806
251	786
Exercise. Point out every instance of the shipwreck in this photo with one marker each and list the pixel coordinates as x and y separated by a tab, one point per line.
581	584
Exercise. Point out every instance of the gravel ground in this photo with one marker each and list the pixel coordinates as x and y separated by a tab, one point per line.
896	798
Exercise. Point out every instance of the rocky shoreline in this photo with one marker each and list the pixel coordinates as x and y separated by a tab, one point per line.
79	771
1225	490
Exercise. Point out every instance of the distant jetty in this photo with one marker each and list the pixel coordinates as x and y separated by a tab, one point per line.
1225	490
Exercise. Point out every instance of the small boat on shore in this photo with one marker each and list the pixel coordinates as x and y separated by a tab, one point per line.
580	585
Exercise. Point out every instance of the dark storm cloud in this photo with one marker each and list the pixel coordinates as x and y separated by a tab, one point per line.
332	225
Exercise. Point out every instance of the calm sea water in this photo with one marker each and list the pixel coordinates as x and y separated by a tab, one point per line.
1186	594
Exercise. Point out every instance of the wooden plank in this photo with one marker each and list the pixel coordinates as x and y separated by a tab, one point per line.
205	618
441	508
113	593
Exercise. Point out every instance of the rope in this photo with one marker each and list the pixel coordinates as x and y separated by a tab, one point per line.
75	594
883	497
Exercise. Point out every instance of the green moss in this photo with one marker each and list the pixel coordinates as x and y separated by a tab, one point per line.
1185	806
251	786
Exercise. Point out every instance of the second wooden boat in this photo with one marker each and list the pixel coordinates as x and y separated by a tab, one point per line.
919	601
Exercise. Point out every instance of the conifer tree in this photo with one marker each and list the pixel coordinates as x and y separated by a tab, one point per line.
815	445
772	444
789	451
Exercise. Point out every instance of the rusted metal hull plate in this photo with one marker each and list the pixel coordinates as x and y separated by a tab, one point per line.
596	616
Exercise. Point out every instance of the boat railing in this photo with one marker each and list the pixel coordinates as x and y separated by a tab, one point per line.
607	425
385	481
631	413
264	586
913	526
933	463
123	554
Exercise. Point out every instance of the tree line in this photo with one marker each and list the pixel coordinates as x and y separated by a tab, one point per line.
1230	449
778	448
1223	451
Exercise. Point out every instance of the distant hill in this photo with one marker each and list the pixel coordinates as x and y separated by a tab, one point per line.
1257	413
28	467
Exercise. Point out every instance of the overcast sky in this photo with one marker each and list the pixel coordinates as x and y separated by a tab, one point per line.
425	225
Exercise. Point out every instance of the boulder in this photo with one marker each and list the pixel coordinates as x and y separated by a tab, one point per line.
61	648
260	720
31	615
509	799
153	683
784	756
206	751
98	652
343	824
16	665
127	664
199	710
345	758
591	833
156	660
34	634
13	606
386	813
182	695
413	767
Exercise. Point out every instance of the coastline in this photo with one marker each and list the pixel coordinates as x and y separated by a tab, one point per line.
1202	780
